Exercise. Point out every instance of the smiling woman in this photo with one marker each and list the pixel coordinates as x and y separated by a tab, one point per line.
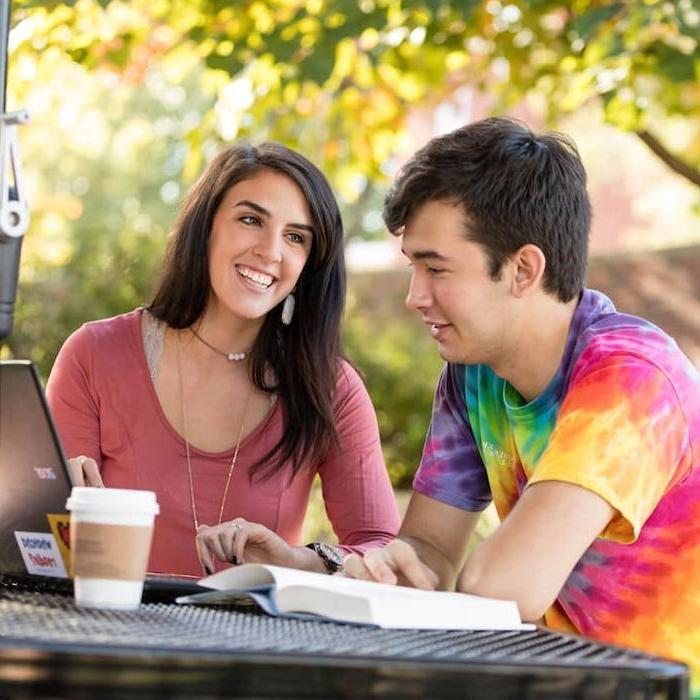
261	238
227	394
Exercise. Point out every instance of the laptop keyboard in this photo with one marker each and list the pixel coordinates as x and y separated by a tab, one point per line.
156	589
37	584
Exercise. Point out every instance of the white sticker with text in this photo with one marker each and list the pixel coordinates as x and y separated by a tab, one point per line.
40	553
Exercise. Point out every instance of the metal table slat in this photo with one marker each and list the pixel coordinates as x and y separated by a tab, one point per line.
51	649
56	619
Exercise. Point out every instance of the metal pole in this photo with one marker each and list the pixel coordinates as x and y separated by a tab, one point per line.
14	214
4	42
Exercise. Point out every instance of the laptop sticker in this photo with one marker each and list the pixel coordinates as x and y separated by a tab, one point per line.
45	473
60	527
41	554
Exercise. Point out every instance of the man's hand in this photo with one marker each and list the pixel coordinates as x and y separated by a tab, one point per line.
428	552
394	563
85	471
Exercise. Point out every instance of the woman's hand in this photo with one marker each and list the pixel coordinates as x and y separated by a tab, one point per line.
241	542
85	471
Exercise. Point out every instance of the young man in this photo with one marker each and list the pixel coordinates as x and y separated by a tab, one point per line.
582	424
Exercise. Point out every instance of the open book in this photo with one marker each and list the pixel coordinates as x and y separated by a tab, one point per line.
294	593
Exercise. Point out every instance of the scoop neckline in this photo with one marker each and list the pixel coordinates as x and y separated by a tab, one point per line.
143	365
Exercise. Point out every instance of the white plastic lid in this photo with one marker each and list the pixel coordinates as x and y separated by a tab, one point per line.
132	501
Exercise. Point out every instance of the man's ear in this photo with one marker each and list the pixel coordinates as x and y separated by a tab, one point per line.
528	265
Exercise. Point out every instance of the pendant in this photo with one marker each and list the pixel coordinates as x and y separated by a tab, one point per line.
235	356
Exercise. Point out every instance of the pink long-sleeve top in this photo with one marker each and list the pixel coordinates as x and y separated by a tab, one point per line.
105	406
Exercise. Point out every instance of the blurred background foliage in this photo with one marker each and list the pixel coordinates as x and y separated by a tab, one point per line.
397	358
129	99
336	77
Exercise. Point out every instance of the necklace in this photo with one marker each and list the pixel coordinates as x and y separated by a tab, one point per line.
230	356
195	519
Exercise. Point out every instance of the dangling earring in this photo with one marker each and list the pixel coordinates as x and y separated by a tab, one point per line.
288	309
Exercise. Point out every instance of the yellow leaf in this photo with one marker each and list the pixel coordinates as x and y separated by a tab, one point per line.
364	72
456	60
350	98
623	113
369	39
579	90
290	94
568	64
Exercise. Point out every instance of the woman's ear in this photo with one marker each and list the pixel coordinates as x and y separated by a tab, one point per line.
528	269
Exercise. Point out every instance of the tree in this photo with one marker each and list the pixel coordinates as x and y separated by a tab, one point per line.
129	98
103	170
337	78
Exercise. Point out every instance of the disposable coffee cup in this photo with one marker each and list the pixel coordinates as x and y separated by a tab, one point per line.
110	541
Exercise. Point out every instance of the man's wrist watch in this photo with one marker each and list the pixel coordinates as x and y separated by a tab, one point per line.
331	557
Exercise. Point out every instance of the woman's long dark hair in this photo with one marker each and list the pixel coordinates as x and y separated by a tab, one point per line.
303	356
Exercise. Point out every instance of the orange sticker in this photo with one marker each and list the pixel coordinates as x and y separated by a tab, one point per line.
60	528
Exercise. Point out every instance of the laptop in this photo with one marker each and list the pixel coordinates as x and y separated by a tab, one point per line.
34	484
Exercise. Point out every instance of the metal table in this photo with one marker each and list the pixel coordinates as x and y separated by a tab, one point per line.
51	648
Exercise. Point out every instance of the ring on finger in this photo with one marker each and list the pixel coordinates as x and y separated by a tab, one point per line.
237	526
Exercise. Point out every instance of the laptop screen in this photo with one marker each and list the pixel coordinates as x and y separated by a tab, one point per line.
34	481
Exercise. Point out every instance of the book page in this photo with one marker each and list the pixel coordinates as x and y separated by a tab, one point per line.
382	592
343	598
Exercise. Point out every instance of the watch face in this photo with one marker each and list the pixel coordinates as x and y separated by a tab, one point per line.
330	554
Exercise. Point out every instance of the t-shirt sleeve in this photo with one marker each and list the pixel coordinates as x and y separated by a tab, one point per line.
356	489
621	433
72	398
451	469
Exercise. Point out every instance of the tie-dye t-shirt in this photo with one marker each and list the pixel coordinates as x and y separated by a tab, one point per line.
620	418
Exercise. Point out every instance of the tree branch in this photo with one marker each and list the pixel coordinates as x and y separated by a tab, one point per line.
676	164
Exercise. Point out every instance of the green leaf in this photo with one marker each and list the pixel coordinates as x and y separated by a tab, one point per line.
603	46
624	114
587	24
319	65
230	64
676	66
79	55
282	50
435	6
198	33
120	56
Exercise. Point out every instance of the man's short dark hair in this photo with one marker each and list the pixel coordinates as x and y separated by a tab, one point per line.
515	188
